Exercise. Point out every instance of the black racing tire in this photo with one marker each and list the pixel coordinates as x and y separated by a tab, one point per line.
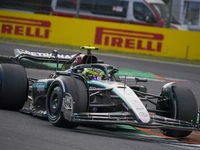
187	109
77	89
13	86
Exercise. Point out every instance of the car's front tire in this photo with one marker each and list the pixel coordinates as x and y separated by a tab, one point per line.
76	88
185	108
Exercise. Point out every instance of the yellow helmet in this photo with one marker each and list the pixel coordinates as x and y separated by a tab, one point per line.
92	74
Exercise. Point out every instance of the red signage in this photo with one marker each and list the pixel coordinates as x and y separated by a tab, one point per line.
25	27
129	39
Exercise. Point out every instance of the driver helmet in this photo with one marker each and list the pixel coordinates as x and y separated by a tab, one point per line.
92	74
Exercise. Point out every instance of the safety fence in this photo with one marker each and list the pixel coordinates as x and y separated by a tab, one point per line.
35	6
184	11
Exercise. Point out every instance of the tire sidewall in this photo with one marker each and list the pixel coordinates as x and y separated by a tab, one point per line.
186	109
77	89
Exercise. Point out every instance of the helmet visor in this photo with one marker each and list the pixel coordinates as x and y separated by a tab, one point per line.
95	78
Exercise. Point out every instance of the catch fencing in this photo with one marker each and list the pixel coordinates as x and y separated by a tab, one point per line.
184	11
187	12
35	6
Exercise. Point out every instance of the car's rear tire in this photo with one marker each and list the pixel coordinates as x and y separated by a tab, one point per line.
76	88
186	109
13	86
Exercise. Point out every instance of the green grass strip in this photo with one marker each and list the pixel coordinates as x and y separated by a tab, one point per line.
134	73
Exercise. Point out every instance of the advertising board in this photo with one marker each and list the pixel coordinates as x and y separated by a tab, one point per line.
105	35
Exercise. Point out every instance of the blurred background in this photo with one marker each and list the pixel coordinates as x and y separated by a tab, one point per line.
182	12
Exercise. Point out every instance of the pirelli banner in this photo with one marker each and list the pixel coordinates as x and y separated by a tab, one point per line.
105	35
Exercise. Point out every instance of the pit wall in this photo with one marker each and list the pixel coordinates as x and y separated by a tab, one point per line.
105	35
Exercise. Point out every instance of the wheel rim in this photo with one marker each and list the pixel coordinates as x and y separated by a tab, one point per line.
55	101
167	107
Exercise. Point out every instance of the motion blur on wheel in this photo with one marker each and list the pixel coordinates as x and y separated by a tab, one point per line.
85	90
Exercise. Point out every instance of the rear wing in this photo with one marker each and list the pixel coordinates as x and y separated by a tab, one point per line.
44	57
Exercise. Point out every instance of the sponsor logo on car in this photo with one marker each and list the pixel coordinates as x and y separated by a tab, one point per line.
40	54
40	86
145	41
143	114
24	27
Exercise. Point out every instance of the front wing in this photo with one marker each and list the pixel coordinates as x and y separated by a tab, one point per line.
126	118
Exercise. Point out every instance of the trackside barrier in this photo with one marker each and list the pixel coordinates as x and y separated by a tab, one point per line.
105	35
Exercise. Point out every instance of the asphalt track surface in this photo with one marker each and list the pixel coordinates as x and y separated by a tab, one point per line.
20	131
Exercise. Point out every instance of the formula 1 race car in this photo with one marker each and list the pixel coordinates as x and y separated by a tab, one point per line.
68	99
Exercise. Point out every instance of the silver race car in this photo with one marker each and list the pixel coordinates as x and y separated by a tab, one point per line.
69	97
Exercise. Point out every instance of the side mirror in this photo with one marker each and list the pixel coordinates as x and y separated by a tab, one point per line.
113	71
